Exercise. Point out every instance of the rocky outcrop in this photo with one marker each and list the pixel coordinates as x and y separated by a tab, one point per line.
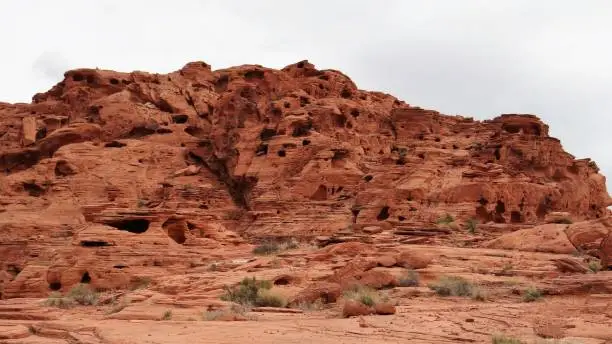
110	178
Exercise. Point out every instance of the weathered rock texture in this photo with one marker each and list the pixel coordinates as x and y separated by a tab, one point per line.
109	176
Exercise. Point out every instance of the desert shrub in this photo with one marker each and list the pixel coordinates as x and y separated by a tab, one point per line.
532	294
56	299
307	306
266	248
167	315
409	279
446	219
118	305
471	226
83	295
365	295
268	298
272	247
594	266
502	339
247	292
452	286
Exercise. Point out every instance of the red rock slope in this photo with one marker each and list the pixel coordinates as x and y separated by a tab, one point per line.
155	167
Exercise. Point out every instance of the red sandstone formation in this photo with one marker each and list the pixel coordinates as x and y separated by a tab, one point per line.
203	158
153	189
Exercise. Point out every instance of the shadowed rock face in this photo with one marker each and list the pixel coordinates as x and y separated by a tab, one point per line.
97	171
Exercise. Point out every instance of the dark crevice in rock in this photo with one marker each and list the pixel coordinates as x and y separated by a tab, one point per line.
137	226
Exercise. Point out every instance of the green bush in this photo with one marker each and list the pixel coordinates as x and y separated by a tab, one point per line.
532	294
248	292
409	279
452	286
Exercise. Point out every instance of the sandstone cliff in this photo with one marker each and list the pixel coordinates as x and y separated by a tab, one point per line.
111	176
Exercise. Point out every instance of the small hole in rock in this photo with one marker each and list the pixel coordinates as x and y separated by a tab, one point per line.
368	178
401	218
305	142
78	77
114	81
55	286
282	153
94	243
383	214
86	278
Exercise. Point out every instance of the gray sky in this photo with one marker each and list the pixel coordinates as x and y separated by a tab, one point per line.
476	58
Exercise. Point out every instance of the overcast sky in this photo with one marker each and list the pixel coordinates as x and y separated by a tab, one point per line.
476	58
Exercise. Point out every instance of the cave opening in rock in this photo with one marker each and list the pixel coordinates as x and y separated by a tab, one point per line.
305	142
55	286
383	214
267	133
500	207
114	81
368	178
262	149
515	217
33	189
94	243
497	154
141	131
177	234
180	118
401	218
176	228
282	153
137	226
86	278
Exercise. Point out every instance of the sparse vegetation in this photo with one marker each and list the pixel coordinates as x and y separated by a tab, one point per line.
81	294
471	226
311	306
532	294
266	248
594	266
118	305
409	279
272	247
446	219
56	299
167	315
502	339
268	298
457	286
365	295
251	292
